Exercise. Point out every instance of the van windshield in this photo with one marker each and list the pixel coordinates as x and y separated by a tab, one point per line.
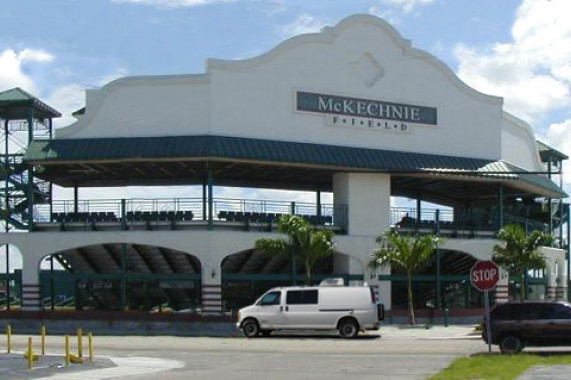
272	298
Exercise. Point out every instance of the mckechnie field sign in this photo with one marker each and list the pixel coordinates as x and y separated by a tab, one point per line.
375	109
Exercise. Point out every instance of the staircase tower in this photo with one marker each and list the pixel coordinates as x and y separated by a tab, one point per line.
23	118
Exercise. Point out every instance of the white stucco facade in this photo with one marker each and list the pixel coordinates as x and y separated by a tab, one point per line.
361	57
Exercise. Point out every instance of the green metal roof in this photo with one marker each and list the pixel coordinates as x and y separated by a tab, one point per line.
12	100
50	152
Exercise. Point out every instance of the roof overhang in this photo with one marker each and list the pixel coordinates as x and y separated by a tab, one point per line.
249	162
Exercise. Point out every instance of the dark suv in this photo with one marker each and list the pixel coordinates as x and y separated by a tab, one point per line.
514	325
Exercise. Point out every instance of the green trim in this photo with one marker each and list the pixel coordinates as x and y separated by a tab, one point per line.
50	152
128	276
285	277
423	278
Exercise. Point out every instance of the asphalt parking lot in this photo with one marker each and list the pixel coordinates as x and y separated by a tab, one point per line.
390	353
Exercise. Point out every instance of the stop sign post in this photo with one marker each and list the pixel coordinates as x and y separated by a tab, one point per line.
484	275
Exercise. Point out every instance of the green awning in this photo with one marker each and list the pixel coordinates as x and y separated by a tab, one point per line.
343	158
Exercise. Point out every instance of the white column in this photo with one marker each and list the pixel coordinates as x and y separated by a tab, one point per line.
30	283
502	287
211	288
554	272
367	197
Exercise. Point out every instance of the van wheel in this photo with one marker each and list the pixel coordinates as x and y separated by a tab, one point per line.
348	329
266	332
511	344
251	328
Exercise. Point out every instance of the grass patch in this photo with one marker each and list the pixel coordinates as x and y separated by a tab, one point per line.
497	367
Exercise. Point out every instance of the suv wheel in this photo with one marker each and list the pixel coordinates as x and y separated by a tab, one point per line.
511	344
348	329
251	328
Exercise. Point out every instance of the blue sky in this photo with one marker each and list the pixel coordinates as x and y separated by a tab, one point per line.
518	49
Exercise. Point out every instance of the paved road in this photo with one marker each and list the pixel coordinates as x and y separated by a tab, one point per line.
392	354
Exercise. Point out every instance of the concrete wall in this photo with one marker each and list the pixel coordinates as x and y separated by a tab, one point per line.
518	144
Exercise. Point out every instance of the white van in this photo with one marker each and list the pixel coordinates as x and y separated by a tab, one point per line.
330	306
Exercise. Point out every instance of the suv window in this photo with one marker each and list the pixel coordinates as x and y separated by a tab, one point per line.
503	312
554	311
301	297
272	298
531	311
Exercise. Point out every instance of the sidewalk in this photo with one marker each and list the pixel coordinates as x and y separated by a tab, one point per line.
556	372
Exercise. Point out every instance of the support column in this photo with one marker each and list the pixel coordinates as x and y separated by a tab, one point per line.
8	295
30	190
31	300
204	201
75	199
211	288
210	200
502	287
501	207
123	297
438	280
367	197
418	214
318	211
554	273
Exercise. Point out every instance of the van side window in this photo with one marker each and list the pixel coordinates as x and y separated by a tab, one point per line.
272	298
301	297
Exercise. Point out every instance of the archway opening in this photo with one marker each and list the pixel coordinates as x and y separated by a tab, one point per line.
248	274
447	288
120	276
10	277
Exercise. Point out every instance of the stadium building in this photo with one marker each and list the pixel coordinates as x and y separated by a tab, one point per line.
353	114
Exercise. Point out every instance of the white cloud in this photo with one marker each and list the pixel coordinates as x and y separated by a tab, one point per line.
67	99
559	137
532	72
407	6
31	55
173	3
389	15
303	24
392	10
12	68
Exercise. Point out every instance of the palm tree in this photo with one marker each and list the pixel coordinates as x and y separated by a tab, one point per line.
519	252
406	254
304	242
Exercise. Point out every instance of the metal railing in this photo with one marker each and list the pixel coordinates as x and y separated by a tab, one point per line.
187	209
465	224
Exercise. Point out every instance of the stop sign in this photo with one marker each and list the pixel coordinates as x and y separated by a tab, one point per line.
484	275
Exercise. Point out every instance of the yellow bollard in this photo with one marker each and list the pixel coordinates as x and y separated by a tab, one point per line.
9	337
90	336
79	343
30	353
43	339
67	350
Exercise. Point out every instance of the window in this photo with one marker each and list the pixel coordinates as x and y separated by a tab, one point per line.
301	297
533	311
272	298
505	312
556	312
